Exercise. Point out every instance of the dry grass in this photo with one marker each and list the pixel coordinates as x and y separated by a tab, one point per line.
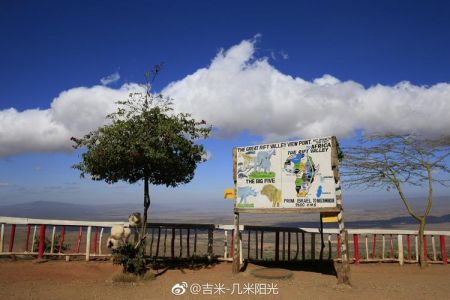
131	278
124	278
148	276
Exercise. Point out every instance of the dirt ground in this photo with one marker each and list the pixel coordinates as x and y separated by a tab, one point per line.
80	280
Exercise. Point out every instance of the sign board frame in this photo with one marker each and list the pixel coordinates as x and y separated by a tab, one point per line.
336	209
344	273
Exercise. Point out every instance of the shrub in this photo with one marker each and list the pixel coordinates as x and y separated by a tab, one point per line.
131	258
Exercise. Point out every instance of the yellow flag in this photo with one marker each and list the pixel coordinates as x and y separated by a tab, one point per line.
229	193
329	217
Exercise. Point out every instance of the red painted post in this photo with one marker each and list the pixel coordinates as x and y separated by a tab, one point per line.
443	250
11	237
338	245
41	241
27	239
408	241
61	240
356	247
80	233
232	243
425	246
374	246
95	240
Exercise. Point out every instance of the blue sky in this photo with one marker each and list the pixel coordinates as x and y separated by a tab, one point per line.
375	65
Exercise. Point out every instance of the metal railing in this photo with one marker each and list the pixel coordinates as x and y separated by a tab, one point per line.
24	236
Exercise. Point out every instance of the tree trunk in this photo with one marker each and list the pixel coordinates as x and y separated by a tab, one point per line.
146	206
422	260
420	219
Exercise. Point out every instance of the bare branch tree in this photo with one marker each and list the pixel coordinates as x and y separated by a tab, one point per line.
394	161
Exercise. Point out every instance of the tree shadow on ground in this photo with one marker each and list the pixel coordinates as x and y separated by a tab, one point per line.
325	267
161	266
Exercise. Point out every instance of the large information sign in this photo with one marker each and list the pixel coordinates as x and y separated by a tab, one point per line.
295	174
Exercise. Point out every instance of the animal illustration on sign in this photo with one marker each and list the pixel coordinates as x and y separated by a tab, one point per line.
247	165
244	192
274	194
257	163
262	161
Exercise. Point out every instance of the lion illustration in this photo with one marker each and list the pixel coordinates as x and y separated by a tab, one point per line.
274	194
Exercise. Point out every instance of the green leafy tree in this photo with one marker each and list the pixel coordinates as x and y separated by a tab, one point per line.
145	141
394	161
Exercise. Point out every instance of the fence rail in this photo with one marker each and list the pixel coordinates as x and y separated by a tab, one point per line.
24	236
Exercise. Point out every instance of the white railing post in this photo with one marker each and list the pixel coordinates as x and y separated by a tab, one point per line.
100	242
433	245
2	237
417	248
400	249
225	244
33	239
53	239
367	249
88	242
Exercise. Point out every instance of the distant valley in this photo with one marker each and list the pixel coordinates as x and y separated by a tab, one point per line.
385	213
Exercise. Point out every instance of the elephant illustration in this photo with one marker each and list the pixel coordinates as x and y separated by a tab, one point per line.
262	160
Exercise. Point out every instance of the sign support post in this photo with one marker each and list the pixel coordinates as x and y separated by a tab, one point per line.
343	271
236	245
236	234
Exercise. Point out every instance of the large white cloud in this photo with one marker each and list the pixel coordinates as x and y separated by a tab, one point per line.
238	92
73	113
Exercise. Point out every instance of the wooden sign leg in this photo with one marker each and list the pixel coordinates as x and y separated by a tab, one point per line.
343	270
236	236
236	244
322	244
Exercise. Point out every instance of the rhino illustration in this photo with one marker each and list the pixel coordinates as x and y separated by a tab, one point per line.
244	192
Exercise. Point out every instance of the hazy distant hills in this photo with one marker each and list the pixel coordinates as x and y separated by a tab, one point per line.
43	209
115	211
381	213
60	210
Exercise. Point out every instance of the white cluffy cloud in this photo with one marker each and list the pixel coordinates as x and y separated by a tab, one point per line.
111	78
239	92
73	113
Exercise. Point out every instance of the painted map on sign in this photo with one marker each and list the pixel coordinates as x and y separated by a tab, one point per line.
294	174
